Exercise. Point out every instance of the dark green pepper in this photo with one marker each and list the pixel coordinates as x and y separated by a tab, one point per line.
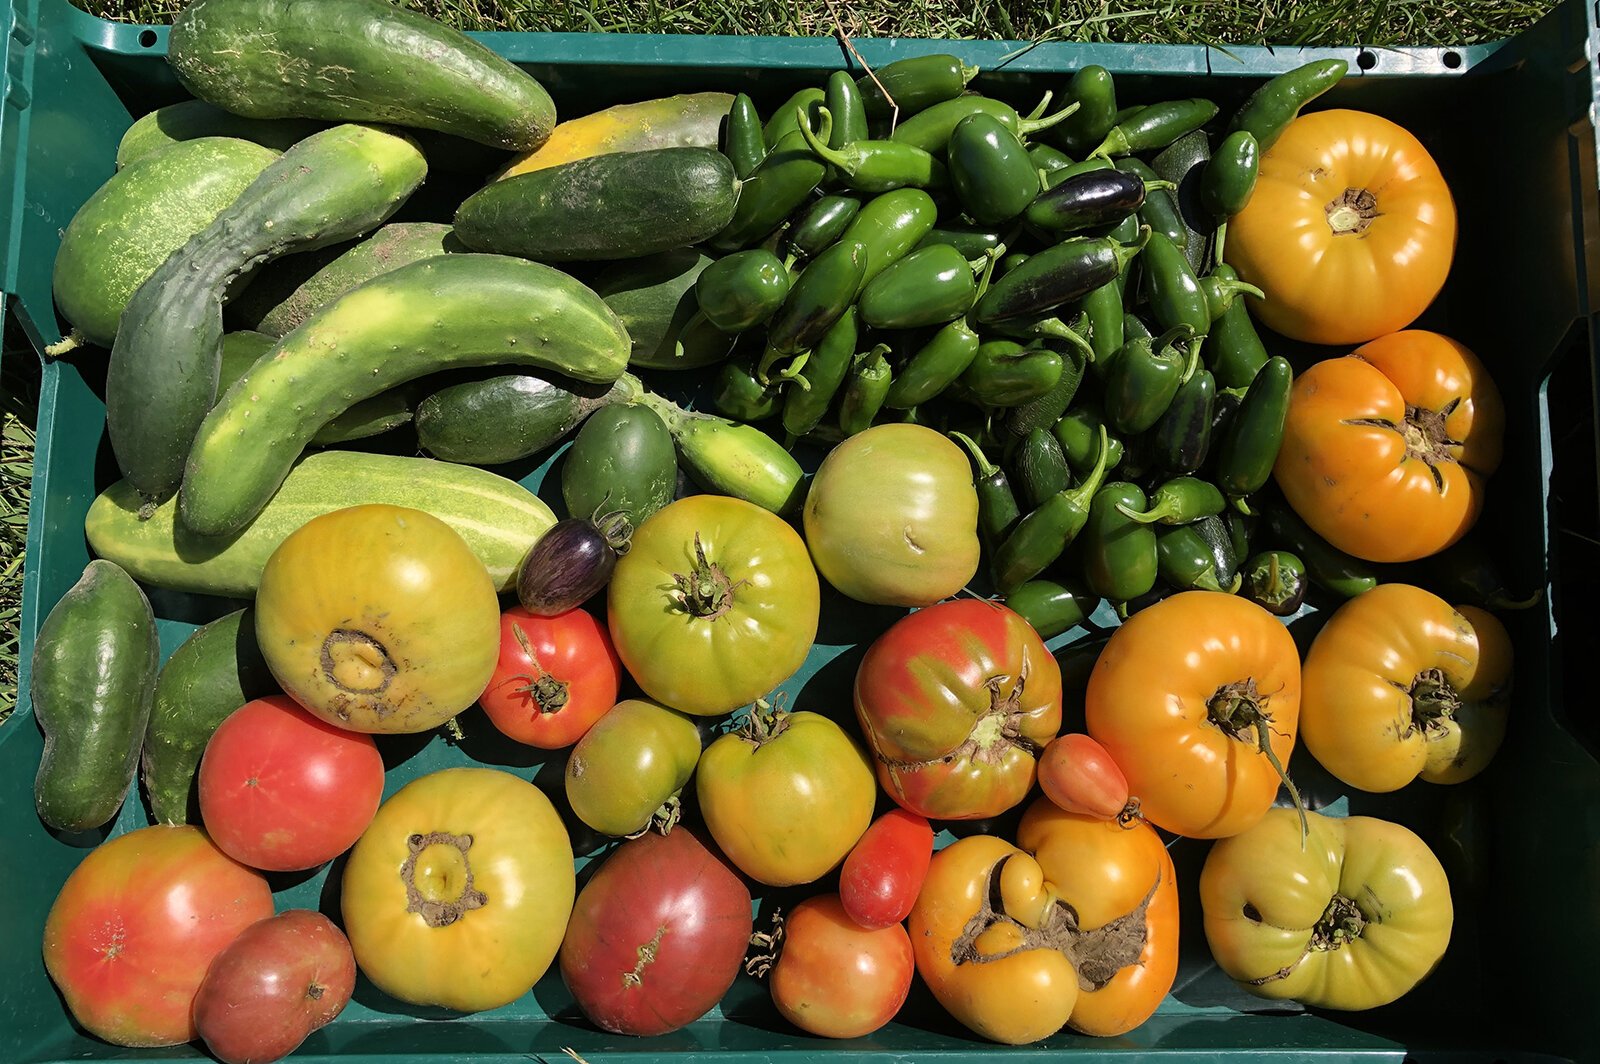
1106	336
1249	448
1040	467
1229	178
930	286
876	165
1222	289
1329	567
998	512
1094	91
889	226
1043	535
974	242
1048	159
1006	374
1089	200
788	174
1156	126
1180	501
817	299
784	122
913	84
1183	435
744	143
990	170
1145	379
1051	178
1052	608
843	100
1241	531
1058	274
1160	210
930	129
1234	351
1011	262
1466	572
742	290
739	395
823	223
1080	433
935	366
1119	555
1047	409
864	392
1270	109
807	398
1276	581
1172	290
1134	327
1185	560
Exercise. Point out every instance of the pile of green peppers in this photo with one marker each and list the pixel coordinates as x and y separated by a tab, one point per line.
1048	289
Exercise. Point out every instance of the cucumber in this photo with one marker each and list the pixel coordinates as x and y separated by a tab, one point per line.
499	519
217	669
162	377
285	294
178	123
688	120
509	417
136	219
94	673
447	312
733	459
384	411
608	207
622	459
654	297
355	60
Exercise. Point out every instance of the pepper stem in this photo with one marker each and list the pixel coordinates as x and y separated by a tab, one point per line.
1084	492
832	156
1238	706
1219	242
1126	252
1116	143
1033	123
993	255
1164	508
986	468
1044	101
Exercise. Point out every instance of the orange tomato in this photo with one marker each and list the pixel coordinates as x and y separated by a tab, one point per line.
1350	231
1182	697
1385	451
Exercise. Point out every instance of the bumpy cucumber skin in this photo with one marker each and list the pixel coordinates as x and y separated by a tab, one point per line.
178	123
688	120
499	519
384	411
139	217
443	313
355	60
162	377
94	674
217	669
506	418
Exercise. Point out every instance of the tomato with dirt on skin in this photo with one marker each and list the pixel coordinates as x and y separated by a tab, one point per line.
556	676
880	879
956	701
130	936
282	790
833	977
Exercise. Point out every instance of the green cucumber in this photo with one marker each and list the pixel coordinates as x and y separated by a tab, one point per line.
622	459
654	297
286	293
94	673
217	669
499	519
355	60
178	123
448	312
733	459
618	206
162	377
135	220
384	411
504	418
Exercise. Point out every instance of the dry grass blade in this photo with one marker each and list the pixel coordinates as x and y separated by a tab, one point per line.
16	474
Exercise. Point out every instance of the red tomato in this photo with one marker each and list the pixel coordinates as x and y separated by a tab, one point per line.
556	677
137	924
282	790
836	978
1079	776
884	872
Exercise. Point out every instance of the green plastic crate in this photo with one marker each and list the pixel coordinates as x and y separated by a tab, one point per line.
1512	125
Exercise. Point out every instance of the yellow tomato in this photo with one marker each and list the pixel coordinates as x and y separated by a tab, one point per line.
378	619
1350	231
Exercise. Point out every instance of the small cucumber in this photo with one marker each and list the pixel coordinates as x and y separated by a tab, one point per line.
654	298
733	459
217	669
94	674
511	416
442	313
688	120
623	460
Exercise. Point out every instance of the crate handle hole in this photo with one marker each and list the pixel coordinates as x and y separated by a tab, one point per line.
147	39
1452	60
1366	60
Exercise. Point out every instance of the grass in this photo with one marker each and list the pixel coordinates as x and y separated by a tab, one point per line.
16	471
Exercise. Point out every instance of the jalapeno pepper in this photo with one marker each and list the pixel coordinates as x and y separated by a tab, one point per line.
1039	468
1276	581
822	224
1058	274
1249	448
1184	559
1222	289
1241	531
843	101
742	290
1329	567
1172	290
930	286
1229	178
741	396
930	129
1089	200
876	165
784	121
1119	555
1271	108
864	391
1010	262
1179	501
1156	126
1042	536
1183	435
744	143
936	365
788	174
990	170
1081	432
1160	210
1106	336
805	404
1052	608
817	299
1047	409
1234	351
1047	159
972	241
1145	379
889	226
998	512
913	84
1095	92
1134	327
1006	374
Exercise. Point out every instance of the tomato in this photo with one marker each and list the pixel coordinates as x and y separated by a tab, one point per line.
555	678
1077	774
281	979
657	936
714	605
1385	452
629	769
956	701
378	619
1351	920
835	978
1399	685
458	893
1187	697
1079	926
281	790
880	879
892	517
130	936
1350	231
786	795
